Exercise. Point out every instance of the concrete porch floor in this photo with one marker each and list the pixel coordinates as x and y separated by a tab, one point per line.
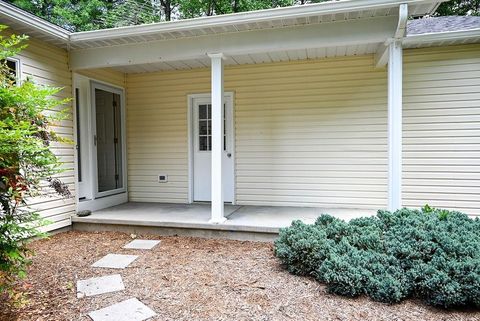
174	217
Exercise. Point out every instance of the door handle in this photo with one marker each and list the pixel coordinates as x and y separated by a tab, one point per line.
229	155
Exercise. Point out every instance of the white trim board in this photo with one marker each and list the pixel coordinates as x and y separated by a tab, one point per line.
94	203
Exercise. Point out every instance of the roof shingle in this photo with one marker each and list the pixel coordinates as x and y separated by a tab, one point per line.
442	24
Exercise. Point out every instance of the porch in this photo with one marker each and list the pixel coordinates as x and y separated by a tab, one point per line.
305	120
243	222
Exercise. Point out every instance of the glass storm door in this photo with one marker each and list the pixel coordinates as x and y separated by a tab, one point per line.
108	139
202	147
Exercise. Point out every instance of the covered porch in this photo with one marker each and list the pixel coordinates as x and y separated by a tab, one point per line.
299	110
255	222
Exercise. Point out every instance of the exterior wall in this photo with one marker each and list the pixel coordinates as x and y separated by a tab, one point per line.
48	65
309	133
106	75
441	138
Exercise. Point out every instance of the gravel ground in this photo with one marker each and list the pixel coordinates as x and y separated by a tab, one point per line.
193	279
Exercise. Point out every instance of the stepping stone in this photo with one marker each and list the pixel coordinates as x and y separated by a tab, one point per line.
128	310
99	285
115	261
141	244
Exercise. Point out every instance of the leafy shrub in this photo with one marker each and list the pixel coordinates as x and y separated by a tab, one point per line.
432	254
26	163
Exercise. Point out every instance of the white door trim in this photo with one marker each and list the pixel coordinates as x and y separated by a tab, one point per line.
120	91
229	95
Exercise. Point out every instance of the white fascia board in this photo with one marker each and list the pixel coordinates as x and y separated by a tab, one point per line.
354	32
32	21
459	35
326	8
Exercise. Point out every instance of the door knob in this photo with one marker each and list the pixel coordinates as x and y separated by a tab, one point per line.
229	155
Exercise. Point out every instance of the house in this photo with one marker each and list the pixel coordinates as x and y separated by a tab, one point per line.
337	105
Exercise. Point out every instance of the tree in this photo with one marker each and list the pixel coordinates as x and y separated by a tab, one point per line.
73	15
459	8
26	162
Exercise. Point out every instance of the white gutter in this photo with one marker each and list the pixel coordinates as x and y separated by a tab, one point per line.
325	8
459	35
20	16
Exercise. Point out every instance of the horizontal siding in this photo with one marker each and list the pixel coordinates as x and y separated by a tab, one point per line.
441	137
106	75
48	65
157	138
310	133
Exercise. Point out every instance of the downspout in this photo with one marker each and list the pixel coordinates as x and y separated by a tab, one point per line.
395	96
402	21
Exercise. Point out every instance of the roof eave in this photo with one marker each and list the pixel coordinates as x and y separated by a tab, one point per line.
458	35
37	23
326	8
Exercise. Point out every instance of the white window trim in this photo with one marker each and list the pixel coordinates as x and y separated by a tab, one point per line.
95	202
18	69
230	95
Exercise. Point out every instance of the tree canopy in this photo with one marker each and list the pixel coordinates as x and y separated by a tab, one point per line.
82	15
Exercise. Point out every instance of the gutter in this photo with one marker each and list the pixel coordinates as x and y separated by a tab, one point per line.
23	17
472	34
326	8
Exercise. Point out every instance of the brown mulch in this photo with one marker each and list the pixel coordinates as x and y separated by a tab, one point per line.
187	278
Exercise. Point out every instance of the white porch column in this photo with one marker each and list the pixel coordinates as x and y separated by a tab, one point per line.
395	77
217	138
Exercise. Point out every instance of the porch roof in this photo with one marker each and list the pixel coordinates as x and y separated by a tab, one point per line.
328	29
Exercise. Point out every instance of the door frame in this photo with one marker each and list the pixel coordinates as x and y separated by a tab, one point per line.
120	91
230	96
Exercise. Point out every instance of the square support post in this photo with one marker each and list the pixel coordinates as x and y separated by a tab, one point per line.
217	214
395	78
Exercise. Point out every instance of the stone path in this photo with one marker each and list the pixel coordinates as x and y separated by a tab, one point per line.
115	261
141	244
100	285
128	310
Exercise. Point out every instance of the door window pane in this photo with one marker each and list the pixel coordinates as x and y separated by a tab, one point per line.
108	140
205	127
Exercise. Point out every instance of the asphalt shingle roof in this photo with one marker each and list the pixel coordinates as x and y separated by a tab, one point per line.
441	24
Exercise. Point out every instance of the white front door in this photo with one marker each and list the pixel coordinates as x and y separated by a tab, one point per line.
202	146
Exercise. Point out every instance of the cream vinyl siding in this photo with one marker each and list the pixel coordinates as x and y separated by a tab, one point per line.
441	137
105	75
157	133
309	133
48	65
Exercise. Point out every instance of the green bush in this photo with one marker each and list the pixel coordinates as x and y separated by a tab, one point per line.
432	254
26	164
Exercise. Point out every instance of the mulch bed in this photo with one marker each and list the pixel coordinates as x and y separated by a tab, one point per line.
187	278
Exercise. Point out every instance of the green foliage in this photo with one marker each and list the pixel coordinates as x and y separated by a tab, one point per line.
432	254
459	8
26	115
